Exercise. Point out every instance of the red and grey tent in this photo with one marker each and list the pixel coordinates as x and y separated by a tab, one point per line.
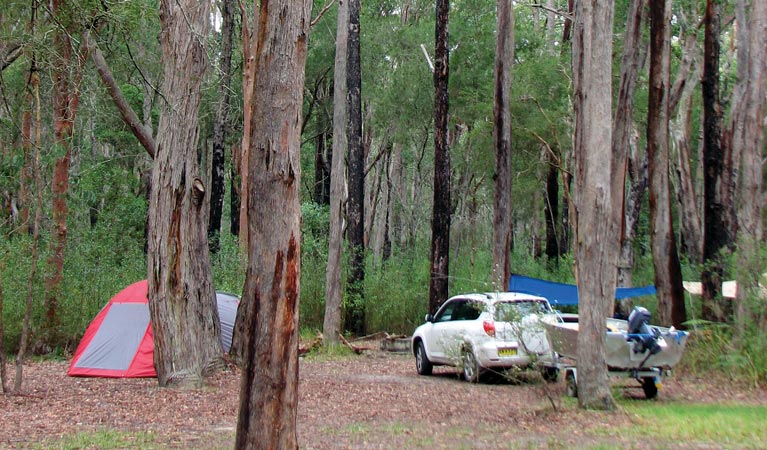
119	343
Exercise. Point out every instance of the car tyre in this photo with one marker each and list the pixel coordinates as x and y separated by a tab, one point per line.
422	363
471	369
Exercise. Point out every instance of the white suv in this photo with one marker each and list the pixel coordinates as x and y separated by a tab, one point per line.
484	331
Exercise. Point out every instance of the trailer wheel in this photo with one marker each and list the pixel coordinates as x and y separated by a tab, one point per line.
649	387
570	384
550	374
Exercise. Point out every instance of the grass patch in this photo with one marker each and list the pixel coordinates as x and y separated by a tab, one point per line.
723	426
103	440
330	353
357	429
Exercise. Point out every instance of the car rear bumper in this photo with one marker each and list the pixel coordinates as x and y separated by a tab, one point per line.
501	354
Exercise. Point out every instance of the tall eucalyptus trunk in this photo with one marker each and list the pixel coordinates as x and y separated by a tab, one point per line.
690	218
750	138
632	60
668	270
220	124
35	139
182	301
331	326
716	239
250	28
597	220
355	311
3	367
269	309
502	220
441	212
67	74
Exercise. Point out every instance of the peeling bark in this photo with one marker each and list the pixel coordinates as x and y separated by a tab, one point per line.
182	304
597	221
268	314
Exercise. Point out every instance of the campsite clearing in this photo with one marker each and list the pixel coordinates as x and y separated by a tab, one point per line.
376	400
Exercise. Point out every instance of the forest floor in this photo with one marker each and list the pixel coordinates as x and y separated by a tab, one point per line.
375	400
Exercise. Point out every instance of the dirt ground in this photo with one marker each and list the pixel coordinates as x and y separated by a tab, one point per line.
371	401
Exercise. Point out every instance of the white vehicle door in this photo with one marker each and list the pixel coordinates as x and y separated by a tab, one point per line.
450	325
435	338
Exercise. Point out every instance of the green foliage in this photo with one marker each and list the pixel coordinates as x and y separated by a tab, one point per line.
314	251
229	265
713	347
706	347
750	355
737	349
397	294
15	267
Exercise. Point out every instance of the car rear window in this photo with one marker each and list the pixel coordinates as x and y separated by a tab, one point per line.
514	311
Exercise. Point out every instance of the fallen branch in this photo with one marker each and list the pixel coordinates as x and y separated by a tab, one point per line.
311	346
371	336
356	349
396	336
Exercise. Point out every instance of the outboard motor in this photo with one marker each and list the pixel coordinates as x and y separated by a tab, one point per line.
641	333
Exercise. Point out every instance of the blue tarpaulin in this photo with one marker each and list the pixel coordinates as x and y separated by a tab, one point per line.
566	294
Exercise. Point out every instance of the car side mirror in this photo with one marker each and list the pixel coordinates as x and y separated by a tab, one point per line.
428	318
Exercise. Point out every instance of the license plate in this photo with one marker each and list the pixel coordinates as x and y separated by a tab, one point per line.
507	352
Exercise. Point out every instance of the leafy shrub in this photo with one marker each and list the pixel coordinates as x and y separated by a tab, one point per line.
397	294
229	265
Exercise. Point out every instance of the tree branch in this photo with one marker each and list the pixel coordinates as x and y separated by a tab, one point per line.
322	13
142	133
428	59
9	54
553	10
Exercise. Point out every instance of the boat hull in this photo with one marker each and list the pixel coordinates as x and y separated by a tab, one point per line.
621	349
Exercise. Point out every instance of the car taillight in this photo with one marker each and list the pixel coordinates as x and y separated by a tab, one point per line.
489	327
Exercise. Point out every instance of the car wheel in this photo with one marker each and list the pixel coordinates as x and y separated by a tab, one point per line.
571	386
422	363
471	370
649	387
